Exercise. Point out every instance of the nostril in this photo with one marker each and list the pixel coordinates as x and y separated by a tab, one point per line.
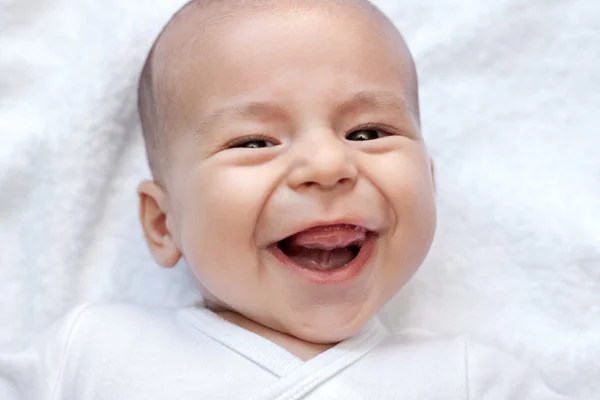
326	175
343	182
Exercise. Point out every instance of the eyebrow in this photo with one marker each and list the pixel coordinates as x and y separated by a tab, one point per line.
253	110
257	110
368	100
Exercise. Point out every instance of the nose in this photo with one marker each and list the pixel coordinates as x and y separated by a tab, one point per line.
324	162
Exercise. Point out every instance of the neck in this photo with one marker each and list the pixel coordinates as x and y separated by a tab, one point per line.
301	349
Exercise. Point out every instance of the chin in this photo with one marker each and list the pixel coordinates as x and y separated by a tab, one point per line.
327	329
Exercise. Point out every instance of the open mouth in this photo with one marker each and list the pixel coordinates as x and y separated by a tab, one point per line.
325	248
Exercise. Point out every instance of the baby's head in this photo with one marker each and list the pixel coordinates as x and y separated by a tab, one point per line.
289	168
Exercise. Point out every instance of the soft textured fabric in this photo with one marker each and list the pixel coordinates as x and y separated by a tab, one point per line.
123	352
510	93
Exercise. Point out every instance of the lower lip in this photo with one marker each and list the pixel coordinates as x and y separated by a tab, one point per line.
334	277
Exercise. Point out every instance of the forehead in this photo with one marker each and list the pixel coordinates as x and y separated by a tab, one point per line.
325	53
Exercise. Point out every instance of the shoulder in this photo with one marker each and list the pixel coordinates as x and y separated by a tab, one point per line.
421	352
36	371
93	324
116	327
428	346
466	365
425	365
117	343
120	348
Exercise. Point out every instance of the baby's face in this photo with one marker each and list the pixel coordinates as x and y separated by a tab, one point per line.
295	121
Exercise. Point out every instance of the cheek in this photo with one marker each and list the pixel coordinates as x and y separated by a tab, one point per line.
404	179
410	194
220	208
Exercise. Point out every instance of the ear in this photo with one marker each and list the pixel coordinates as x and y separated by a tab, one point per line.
432	167
153	217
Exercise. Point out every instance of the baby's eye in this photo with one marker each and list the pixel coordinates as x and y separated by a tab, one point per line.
255	144
252	143
365	134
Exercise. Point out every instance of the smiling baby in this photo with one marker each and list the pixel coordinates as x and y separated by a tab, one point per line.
290	173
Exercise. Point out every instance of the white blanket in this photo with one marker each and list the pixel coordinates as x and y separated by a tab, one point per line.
511	107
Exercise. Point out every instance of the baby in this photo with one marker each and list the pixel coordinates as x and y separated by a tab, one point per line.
291	175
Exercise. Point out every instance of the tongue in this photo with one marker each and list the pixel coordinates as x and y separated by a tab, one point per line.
324	248
328	238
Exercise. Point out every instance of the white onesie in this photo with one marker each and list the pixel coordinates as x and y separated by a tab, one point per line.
131	353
